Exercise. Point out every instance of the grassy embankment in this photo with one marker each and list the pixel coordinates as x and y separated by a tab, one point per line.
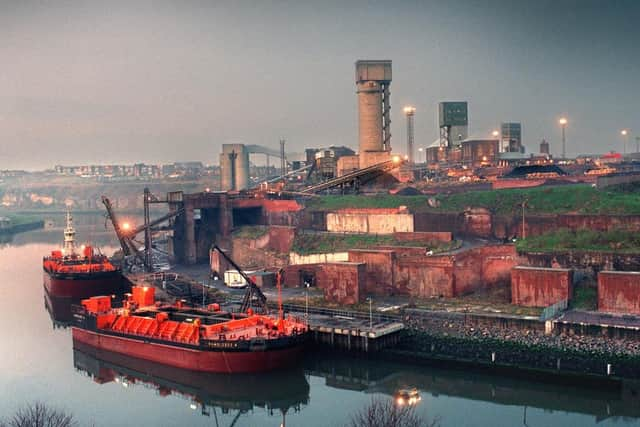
318	243
540	200
250	231
315	243
618	241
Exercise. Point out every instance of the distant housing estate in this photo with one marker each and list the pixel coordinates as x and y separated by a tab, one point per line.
137	171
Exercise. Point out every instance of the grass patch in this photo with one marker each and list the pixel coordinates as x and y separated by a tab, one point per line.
619	240
250	231
585	298
318	243
552	200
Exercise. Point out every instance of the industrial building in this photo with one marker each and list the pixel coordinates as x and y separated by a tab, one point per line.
511	138
479	152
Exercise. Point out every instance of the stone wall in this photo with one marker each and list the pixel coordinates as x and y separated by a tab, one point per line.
480	222
482	267
586	260
619	292
425	277
374	221
540	287
516	183
296	259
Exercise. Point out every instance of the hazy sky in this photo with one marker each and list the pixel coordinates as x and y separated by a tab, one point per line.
109	81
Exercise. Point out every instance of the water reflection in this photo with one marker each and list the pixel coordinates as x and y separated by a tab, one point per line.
277	392
59	309
388	378
329	390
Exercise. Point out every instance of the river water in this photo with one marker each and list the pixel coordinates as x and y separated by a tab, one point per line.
38	363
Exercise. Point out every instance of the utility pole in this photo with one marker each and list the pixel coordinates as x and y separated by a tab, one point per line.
148	257
625	136
524	234
283	161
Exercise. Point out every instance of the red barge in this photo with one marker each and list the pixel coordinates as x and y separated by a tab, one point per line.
206	340
70	274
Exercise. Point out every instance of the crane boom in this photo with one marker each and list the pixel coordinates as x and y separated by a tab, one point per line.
126	249
252	288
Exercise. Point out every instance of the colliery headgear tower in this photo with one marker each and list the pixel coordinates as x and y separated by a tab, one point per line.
453	120
511	140
373	79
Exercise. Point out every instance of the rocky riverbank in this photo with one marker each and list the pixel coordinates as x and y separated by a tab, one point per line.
448	337
22	227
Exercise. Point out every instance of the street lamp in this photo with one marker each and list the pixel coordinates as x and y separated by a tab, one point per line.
496	135
625	137
420	150
563	124
306	303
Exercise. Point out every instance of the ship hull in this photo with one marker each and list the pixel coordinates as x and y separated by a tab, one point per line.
83	285
203	360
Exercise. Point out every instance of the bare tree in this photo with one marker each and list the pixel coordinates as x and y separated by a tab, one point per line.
385	413
39	415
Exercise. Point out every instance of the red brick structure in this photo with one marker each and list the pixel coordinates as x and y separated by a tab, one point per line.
379	269
342	282
619	291
540	287
410	271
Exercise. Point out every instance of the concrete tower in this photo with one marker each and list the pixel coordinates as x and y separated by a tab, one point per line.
373	79
234	167
410	112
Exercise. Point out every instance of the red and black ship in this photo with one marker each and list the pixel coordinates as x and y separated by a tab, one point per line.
205	340
72	274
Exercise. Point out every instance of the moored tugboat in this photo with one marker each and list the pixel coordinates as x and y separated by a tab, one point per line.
72	274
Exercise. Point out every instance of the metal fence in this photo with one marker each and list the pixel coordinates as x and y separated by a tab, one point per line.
554	310
350	314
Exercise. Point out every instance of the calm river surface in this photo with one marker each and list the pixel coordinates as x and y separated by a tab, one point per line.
38	363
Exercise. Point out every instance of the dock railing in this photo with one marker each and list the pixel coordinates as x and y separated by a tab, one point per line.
332	312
